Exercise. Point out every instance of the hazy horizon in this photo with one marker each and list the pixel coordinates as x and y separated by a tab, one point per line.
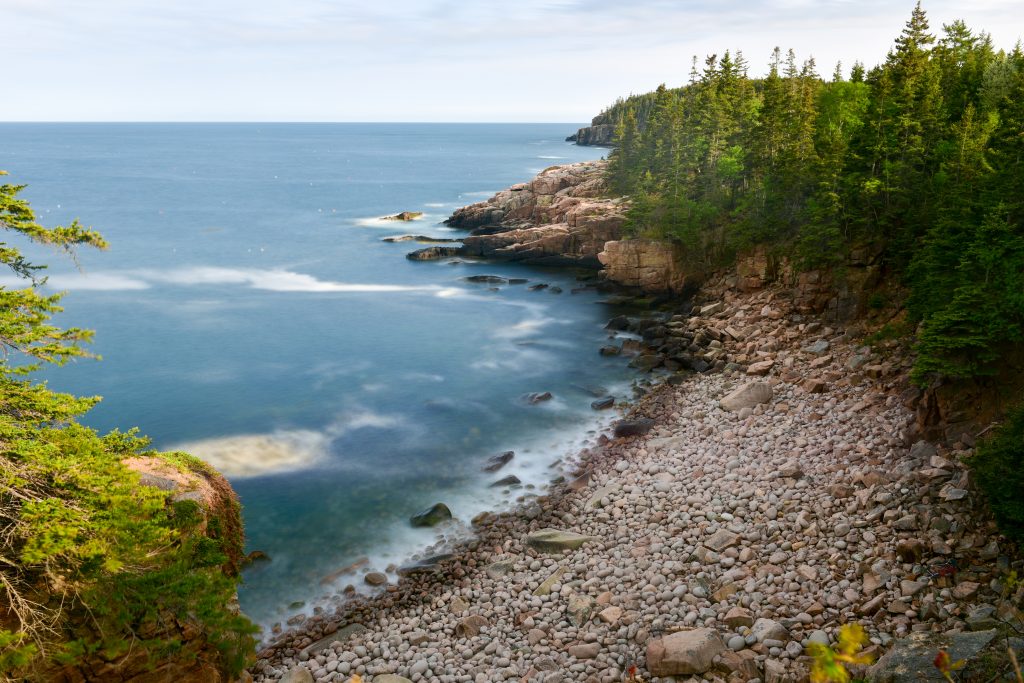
427	61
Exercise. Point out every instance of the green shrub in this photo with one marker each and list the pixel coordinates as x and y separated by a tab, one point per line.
998	468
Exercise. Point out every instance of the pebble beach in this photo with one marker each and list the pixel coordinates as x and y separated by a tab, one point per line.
739	515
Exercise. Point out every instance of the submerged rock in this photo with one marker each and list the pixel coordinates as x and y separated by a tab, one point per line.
603	403
432	516
490	279
420	238
496	462
538	397
510	480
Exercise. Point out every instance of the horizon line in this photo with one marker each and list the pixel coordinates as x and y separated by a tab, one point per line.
233	122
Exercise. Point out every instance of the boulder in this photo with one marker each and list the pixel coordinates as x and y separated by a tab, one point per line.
684	653
390	678
603	403
556	540
496	462
510	480
747	396
538	397
635	427
432	516
375	579
768	629
404	216
299	674
470	626
911	658
721	539
433	253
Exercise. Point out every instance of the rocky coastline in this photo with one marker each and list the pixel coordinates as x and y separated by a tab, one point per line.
770	487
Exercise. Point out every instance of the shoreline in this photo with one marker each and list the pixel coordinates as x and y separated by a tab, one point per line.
725	528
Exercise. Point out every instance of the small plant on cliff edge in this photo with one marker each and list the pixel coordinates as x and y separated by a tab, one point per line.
998	467
91	562
829	665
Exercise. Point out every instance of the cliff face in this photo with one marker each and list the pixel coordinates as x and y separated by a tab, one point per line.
595	135
559	218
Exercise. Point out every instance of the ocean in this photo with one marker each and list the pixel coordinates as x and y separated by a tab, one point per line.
248	311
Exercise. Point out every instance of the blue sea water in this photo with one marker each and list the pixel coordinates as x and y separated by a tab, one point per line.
247	310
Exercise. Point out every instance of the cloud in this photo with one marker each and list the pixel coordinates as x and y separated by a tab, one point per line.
415	60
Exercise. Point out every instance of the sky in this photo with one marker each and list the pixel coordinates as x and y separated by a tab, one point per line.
415	60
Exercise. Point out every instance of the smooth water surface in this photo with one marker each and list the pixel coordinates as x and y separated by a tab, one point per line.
248	311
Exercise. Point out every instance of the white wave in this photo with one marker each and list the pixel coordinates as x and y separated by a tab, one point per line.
523	328
97	282
363	419
250	455
481	193
549	156
436	205
274	280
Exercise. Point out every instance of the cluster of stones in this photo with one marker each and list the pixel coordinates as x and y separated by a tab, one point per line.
736	518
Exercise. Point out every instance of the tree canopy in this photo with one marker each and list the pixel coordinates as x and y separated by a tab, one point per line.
918	161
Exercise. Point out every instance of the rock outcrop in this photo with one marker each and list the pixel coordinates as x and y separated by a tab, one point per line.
559	218
595	135
651	265
195	658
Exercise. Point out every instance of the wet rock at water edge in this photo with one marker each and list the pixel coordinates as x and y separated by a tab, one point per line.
376	579
496	462
489	279
537	287
432	516
404	216
538	397
610	350
433	253
603	403
636	427
425	239
254	557
510	480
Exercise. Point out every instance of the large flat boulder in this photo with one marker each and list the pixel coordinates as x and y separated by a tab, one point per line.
747	396
911	658
684	653
556	540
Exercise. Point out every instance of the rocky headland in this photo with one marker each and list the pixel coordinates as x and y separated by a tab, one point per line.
564	217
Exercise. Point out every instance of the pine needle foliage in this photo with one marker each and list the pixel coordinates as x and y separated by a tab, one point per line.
91	562
918	162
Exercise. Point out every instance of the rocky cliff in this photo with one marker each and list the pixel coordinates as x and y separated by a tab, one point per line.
597	135
561	217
